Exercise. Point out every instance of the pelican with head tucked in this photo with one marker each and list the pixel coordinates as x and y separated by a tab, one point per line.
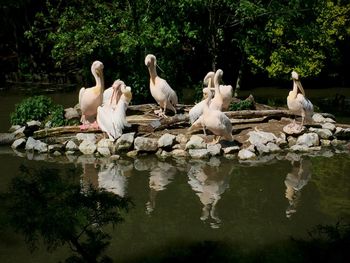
160	89
112	95
91	98
215	121
224	97
217	102
296	100
197	110
112	119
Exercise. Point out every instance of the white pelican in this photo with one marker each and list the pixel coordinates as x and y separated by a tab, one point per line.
112	95
296	100
217	102
91	98
160	89
112	119
226	91
197	109
215	121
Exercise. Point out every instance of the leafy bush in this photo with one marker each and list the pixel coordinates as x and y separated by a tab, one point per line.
242	105
39	108
57	116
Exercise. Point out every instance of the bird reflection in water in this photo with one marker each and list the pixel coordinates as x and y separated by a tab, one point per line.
295	180
161	174
209	184
106	174
113	177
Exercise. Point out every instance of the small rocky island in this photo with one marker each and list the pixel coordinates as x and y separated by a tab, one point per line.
256	133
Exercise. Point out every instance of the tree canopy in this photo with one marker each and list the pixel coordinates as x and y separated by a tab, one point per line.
191	37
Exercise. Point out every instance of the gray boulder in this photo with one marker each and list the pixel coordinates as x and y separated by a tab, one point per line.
125	141
196	142
166	140
308	139
146	144
87	147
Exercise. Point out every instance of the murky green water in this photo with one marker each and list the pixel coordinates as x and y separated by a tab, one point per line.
216	210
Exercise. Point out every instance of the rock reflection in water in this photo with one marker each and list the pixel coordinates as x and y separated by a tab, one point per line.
295	180
209	184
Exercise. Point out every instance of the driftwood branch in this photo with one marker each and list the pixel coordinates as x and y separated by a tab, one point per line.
148	123
60	131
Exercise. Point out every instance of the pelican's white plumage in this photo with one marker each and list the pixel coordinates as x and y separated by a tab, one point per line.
215	121
217	102
297	101
197	110
225	93
112	119
91	98
160	89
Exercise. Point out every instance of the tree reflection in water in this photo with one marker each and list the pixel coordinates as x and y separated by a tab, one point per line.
48	204
295	180
209	184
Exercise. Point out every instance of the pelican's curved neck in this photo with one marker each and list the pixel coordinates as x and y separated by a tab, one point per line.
99	80
207	102
152	72
295	88
216	84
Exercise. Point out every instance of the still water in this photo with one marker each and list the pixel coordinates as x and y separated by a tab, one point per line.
216	210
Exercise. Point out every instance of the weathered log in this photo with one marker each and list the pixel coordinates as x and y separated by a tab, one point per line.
61	130
259	113
149	123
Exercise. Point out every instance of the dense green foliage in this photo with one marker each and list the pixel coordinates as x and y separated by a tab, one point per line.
191	37
242	105
38	108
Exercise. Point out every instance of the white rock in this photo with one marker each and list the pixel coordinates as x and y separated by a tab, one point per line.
294	129
214	149
231	149
146	144
322	133
71	146
179	153
328	126
199	153
86	137
166	140
261	137
196	142
245	154
181	138
308	139
125	141
318	118
87	147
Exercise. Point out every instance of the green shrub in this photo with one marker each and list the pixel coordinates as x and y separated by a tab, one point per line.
242	105
57	116
39	108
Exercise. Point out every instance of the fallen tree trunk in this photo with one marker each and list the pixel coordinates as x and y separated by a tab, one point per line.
259	113
150	123
61	130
